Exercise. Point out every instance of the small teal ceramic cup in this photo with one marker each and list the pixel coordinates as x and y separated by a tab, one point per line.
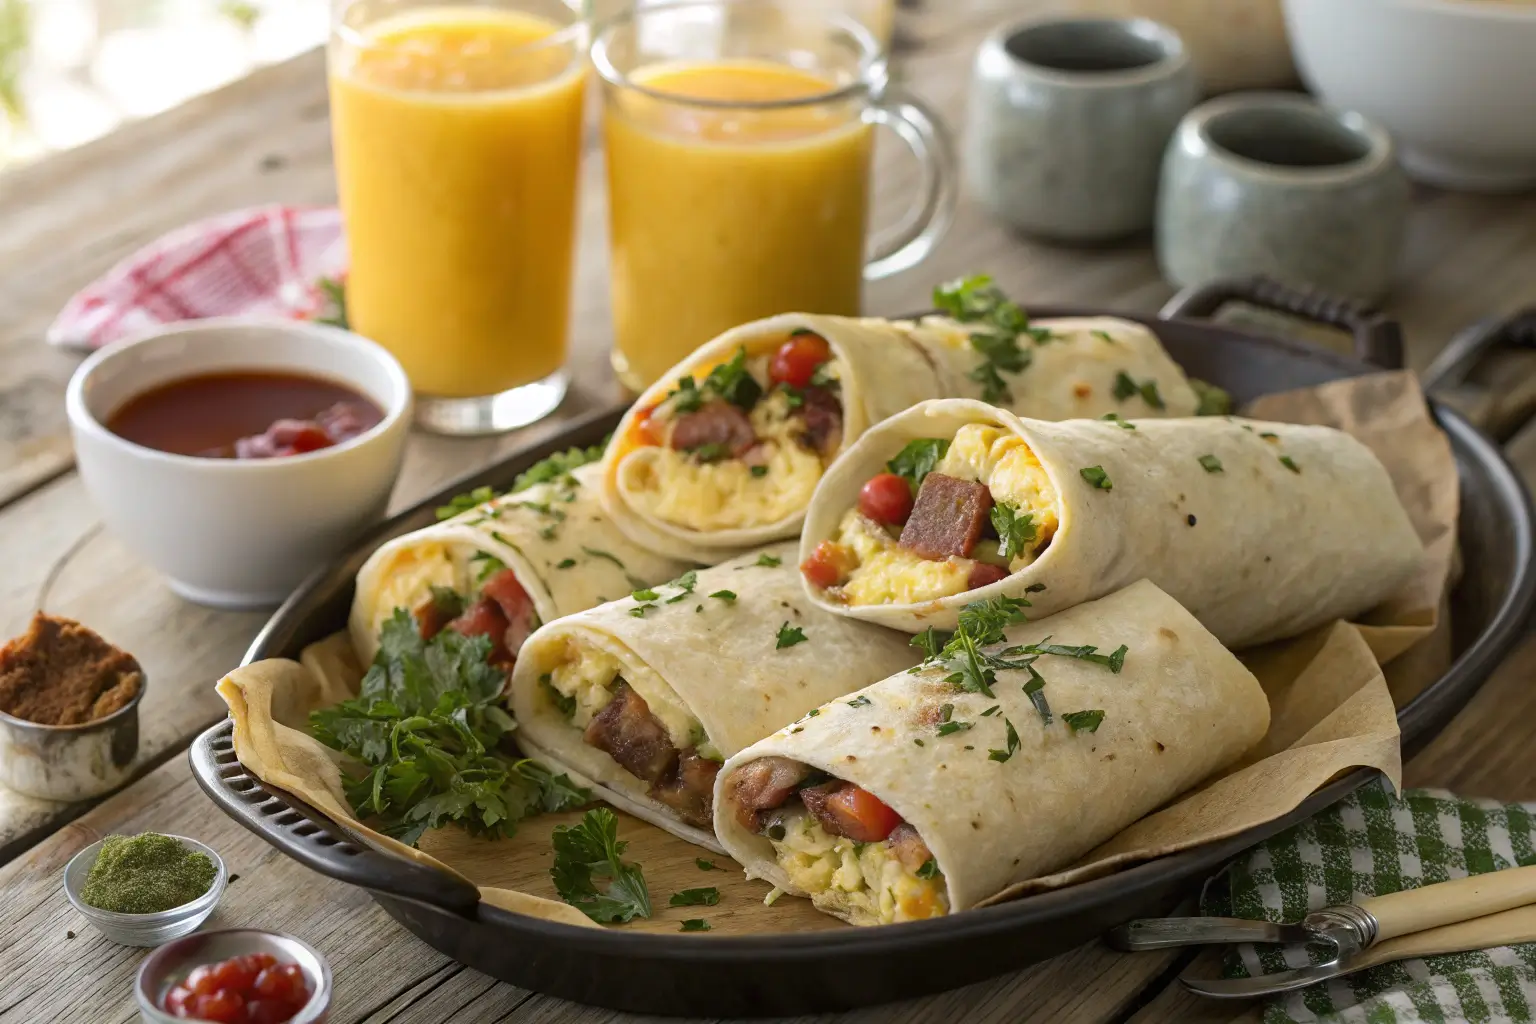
1068	121
1276	184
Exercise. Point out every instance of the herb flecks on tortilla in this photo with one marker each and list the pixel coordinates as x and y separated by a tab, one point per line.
977	300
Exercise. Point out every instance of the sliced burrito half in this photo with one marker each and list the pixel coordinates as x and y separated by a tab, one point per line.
920	796
505	566
643	698
1262	530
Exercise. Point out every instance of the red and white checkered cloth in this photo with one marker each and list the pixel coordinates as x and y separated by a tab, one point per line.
265	262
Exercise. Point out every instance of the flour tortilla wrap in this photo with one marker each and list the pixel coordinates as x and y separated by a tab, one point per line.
704	659
1074	372
533	532
1181	708
1291	526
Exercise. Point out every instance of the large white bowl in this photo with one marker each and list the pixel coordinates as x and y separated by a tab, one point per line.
1452	80
236	533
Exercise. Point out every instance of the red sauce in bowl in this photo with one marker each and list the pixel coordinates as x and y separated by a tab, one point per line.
250	989
245	415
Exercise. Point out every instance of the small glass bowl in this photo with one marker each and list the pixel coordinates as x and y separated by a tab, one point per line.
144	929
171	963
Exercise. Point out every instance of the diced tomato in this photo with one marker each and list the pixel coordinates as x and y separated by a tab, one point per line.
268	1011
225	1006
485	618
861	815
985	574
828	565
237	972
250	989
282	983
886	499
648	429
201	981
516	605
797	359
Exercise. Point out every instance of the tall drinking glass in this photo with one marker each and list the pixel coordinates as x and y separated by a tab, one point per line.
739	135
457	134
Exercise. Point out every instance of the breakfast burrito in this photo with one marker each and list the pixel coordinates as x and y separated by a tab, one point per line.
724	452
504	566
643	698
930	792
1262	530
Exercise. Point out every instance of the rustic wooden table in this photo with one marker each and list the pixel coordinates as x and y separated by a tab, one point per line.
265	139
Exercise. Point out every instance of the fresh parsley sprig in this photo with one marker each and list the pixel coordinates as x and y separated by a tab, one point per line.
977	300
428	725
592	848
917	459
547	470
1015	529
731	381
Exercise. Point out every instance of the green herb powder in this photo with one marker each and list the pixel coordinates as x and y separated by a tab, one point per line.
145	874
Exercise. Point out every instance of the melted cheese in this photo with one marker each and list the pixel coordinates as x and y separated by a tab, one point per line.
675	487
886	573
864	881
589	675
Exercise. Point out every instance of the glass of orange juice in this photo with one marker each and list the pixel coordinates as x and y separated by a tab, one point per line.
738	138
457	131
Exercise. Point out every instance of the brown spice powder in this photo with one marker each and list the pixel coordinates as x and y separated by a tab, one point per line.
61	673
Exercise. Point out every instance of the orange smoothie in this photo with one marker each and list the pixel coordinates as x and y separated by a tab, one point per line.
457	134
720	216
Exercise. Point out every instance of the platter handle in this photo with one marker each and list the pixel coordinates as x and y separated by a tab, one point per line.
294	828
1377	339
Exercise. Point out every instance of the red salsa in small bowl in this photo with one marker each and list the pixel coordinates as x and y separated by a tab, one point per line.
255	988
245	414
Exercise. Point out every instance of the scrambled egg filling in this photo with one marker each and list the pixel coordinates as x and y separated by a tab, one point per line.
411	575
864	880
675	487
886	573
582	683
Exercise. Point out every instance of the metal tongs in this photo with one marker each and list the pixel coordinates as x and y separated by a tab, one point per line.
1477	912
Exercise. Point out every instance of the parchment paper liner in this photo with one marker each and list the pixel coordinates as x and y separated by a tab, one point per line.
1331	710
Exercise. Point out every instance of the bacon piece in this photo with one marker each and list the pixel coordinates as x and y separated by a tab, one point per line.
948	517
909	847
985	574
626	731
823	412
515	604
763	785
691	789
715	422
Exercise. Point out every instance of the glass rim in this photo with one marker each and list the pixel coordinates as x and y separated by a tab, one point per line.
871	59
359	40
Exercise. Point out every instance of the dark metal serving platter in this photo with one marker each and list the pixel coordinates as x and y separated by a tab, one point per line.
796	973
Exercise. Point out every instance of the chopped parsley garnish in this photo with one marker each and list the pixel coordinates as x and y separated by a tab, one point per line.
861	701
981	623
930	641
1212	400
946	712
565	563
977	300
728	596
821	377
695	898
1083	721
930	869
713	451
490	565
1210	463
1035	691
1114	661
991	711
1034	588
1105	336
644	595
592	847
759	471
706	865
1126	386
566	704
917	459
1015	529
733	382
1012	744
788	636
769	561
1096	477
1116	419
686	397
1268	435
639	610
447	602
695	924
428	723
949	728
1289	463
917	741
464	502
558	465
686	582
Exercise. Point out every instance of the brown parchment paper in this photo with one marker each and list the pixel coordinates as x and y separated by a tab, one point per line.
1332	710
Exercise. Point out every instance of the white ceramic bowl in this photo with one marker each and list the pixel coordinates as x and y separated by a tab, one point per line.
1452	80
237	533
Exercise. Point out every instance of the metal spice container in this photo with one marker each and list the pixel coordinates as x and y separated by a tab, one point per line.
69	762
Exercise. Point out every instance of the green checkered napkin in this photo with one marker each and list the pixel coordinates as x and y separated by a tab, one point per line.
1374	843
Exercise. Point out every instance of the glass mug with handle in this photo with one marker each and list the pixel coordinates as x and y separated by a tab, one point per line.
457	132
739	136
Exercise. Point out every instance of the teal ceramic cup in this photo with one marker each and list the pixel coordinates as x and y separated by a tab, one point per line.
1068	121
1276	184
